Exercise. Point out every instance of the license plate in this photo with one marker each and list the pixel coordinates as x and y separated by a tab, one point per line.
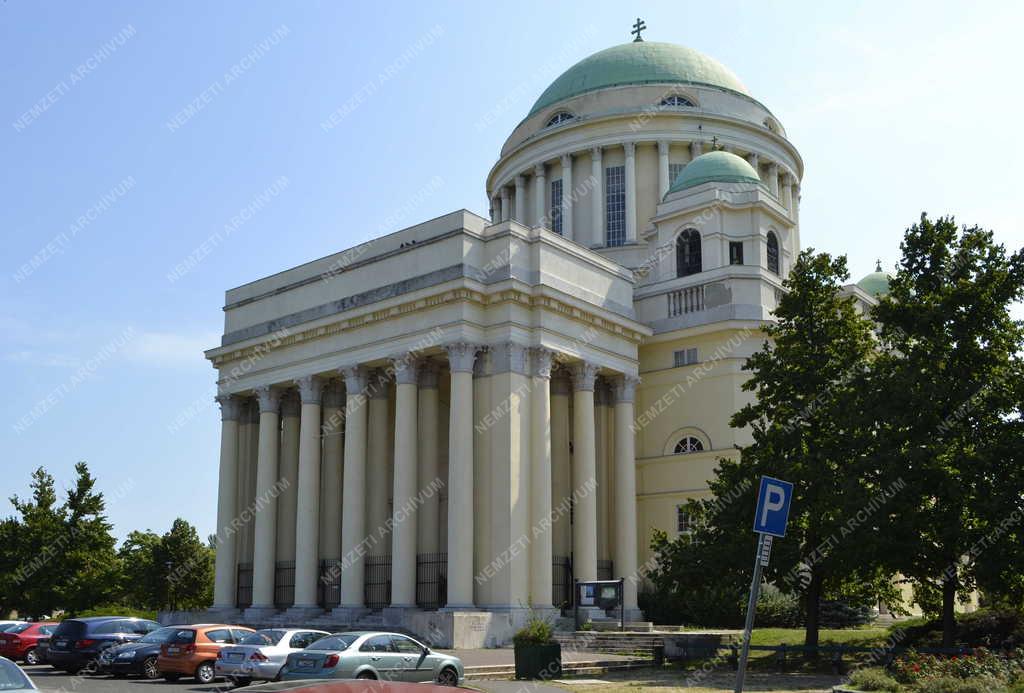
59	644
235	657
173	650
307	663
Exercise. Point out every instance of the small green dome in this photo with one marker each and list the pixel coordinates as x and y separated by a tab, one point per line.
876	283
639	62
718	167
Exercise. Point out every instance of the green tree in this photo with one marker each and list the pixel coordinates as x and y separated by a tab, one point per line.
142	588
185	566
948	390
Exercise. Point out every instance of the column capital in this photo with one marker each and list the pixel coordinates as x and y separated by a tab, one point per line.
310	389
566	160
538	170
504	194
773	168
429	370
787	178
624	388
230	407
520	181
407	369
290	404
333	398
753	159
663	146
355	378
583	376
269	398
509	357
461	356
481	366
596	152
630	148
542	359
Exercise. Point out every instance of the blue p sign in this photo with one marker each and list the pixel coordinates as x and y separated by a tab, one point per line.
773	506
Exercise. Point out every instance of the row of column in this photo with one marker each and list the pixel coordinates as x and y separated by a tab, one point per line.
481	470
781	183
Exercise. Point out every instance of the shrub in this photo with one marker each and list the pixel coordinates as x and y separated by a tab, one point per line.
952	684
873	680
981	665
993	628
117	610
778	609
836	614
537	631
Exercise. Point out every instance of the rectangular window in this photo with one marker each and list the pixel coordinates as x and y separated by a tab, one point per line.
615	205
673	172
684	523
686	357
735	252
556	206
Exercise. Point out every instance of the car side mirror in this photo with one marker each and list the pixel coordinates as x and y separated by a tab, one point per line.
426	650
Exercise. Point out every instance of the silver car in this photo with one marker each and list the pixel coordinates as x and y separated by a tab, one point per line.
373	655
260	655
12	678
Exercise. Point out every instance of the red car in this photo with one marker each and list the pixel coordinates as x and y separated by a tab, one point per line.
19	642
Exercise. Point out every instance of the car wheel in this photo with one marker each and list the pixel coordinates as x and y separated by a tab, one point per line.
448	677
366	676
172	676
205	673
150	669
31	657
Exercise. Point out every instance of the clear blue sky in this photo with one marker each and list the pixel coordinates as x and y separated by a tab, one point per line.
896	108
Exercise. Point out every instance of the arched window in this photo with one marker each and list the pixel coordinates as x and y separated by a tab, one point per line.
677	100
773	252
559	118
689	444
688	253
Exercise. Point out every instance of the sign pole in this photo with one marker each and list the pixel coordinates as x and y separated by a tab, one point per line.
755	589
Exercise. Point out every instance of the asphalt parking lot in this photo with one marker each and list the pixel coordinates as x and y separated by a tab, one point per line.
47	678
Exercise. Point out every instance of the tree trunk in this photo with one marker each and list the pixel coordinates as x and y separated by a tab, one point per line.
813	611
949	585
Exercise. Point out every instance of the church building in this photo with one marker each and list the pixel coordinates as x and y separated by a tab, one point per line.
445	426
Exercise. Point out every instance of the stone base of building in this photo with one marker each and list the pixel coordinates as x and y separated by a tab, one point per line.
259	614
303	613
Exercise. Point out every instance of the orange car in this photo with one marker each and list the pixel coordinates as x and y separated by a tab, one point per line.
192	650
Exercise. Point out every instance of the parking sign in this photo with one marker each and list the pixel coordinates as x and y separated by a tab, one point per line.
773	501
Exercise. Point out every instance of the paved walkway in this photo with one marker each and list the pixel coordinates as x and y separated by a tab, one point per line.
505	655
515	687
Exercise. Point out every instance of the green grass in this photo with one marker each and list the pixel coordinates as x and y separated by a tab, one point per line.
866	636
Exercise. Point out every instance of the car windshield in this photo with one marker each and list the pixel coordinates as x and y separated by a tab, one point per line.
182	636
18	628
11	677
334	643
263	637
160	635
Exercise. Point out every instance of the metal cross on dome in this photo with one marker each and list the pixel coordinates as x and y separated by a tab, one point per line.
637	28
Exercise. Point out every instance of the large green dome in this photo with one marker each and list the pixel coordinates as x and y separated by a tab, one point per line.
639	62
718	167
876	283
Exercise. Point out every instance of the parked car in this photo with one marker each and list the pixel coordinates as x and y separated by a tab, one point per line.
20	641
192	650
373	655
12	678
139	657
4	625
78	642
260	655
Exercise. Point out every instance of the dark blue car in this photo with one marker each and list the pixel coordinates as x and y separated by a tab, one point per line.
78	642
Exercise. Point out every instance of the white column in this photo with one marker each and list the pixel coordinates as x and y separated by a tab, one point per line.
560	471
696	149
663	181
597	198
630	173
786	193
481	477
567	196
288	472
428	524
773	179
520	214
460	477
353	519
602	454
495	209
264	551
584	476
505	208
245	470
625	489
540	481
331	473
403	512
307	538
378	462
226	567
540	194
755	163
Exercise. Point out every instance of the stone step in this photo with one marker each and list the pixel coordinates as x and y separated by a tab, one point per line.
584	668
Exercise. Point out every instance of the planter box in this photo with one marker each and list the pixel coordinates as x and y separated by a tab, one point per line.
539	661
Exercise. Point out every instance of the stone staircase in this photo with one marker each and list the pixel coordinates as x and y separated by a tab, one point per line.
589	667
624	643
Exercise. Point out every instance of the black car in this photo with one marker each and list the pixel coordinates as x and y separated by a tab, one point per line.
78	642
138	658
